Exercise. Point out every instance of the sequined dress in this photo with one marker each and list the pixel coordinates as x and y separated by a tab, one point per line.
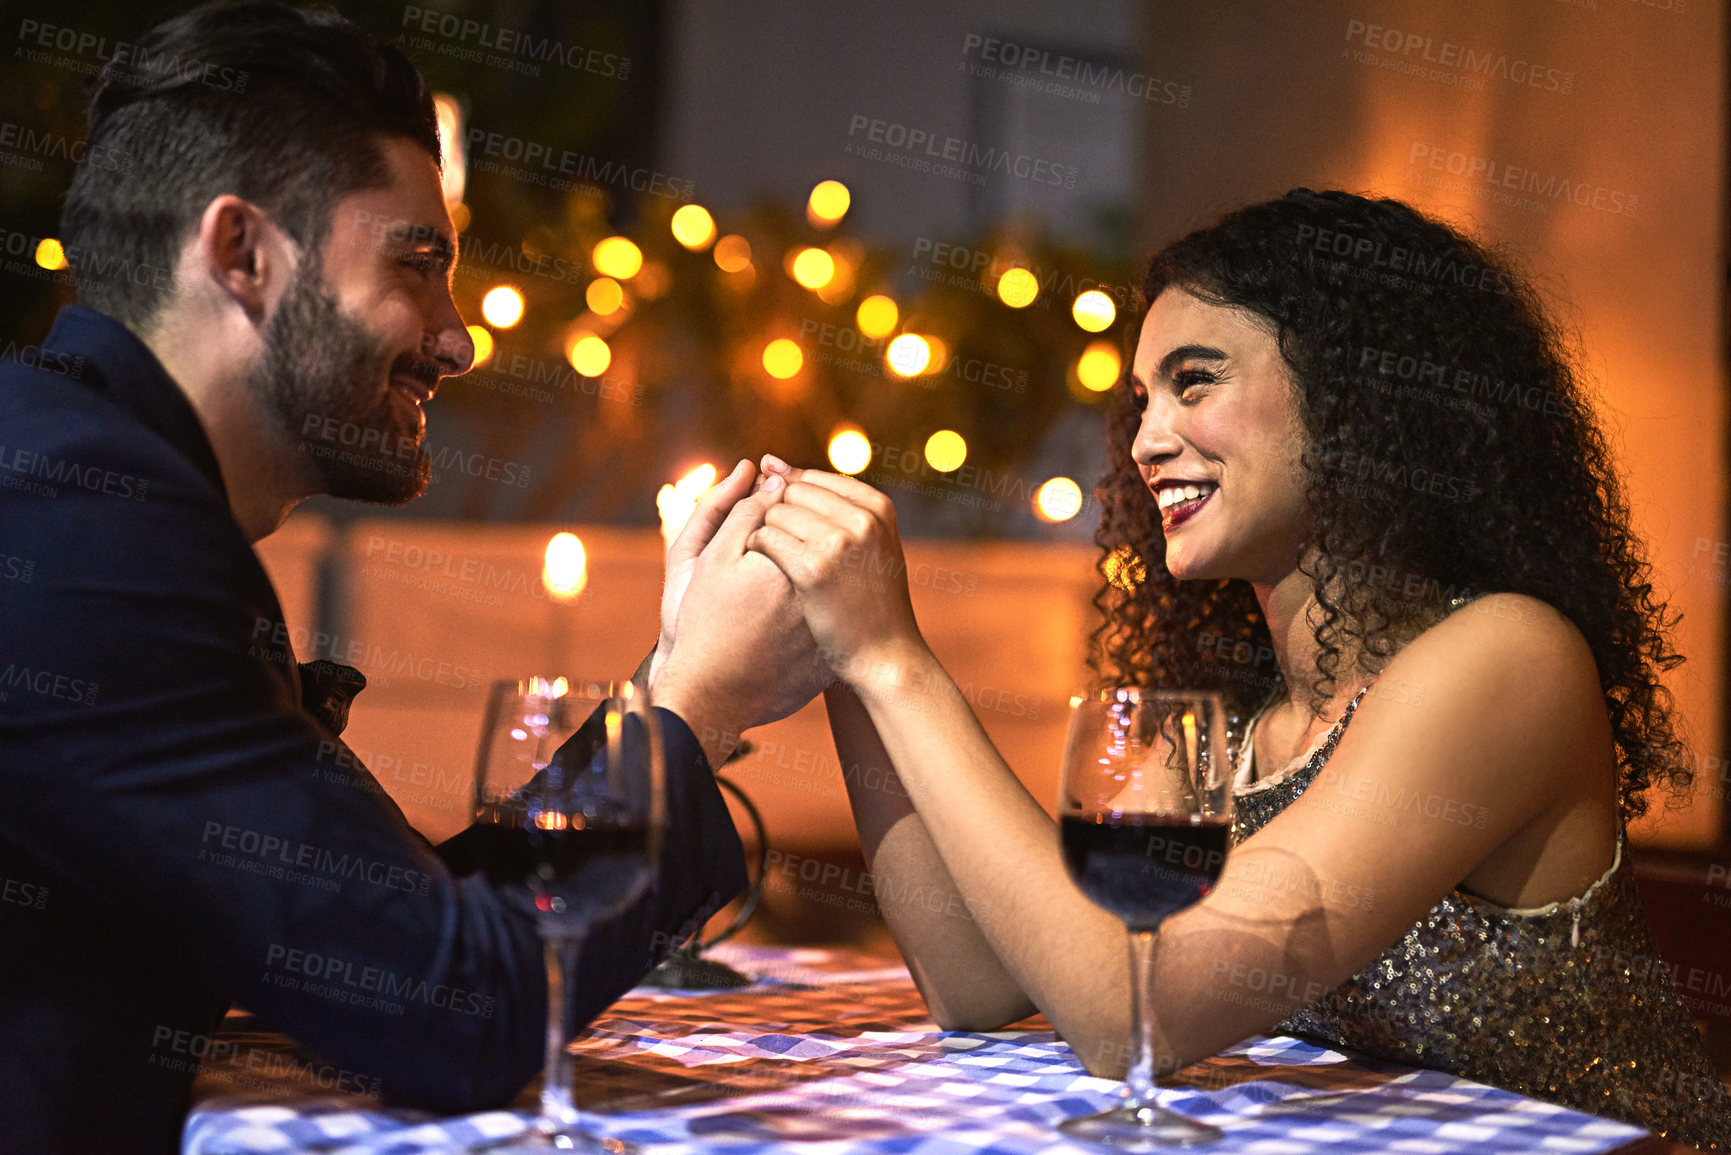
1565	1002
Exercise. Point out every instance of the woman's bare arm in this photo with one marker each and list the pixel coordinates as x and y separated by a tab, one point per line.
954	966
1506	717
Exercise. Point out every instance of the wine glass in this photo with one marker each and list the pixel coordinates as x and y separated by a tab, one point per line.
1144	809
570	797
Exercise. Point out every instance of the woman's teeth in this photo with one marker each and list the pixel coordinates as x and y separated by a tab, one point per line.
1179	494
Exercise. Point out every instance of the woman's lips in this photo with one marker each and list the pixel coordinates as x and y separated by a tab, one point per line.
1176	516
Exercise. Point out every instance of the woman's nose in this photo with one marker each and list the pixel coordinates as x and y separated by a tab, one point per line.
1157	438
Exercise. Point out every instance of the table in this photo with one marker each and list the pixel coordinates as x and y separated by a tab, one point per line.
833	1052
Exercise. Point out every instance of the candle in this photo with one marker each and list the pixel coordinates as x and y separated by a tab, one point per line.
565	571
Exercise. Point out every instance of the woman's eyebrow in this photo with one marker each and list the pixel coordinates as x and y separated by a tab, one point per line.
1188	353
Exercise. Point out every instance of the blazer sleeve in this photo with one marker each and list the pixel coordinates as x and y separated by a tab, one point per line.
167	777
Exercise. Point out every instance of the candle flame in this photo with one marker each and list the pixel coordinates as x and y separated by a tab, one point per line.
565	572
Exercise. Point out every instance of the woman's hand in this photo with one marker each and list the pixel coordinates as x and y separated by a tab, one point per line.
835	539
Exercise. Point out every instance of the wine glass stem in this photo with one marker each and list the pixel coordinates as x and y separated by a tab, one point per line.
1140	1079
558	1111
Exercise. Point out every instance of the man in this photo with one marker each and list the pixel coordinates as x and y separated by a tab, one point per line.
264	310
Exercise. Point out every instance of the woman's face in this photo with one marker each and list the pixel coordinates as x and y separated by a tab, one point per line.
1220	441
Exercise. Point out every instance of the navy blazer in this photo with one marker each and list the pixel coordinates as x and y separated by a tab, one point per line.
178	834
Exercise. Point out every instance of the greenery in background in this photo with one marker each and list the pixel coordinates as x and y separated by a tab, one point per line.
686	383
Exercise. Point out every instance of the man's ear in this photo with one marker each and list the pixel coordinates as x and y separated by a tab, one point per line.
244	254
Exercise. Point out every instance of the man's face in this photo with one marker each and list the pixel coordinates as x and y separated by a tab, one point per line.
362	336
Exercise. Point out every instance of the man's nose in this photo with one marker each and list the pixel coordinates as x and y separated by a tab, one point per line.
452	348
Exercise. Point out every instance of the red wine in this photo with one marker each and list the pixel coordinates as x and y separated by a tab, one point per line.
576	875
1143	867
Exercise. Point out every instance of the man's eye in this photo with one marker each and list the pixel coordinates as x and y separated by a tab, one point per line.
421	262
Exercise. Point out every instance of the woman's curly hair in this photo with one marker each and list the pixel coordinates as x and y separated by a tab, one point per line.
1449	450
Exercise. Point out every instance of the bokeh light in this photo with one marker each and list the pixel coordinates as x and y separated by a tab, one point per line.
604	296
878	315
812	268
590	356
1094	311
946	450
482	339
828	203
1059	499
677	502
850	450
50	255
1017	288
565	570
733	253
502	306
783	358
908	355
1098	366
693	227
617	257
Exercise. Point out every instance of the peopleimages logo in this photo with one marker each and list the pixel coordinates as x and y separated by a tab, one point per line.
1458	59
1066	75
1481	175
945	155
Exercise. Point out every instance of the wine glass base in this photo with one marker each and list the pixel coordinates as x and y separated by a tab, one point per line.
1139	1129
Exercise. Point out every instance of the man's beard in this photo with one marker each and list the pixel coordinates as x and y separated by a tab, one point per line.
317	372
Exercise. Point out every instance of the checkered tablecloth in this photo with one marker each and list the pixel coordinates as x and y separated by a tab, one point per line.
835	1055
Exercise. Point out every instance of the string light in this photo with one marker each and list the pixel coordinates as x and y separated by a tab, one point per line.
908	355
733	253
828	203
502	306
590	355
946	450
617	257
813	268
693	227
850	450
1017	288
1098	366
1059	499
1094	311
783	358
877	316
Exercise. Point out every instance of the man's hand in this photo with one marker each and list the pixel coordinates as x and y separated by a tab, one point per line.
712	509
742	654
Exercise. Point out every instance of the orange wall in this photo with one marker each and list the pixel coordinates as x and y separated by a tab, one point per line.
1629	105
433	612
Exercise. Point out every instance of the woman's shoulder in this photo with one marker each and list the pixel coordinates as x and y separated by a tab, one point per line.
1505	661
1504	624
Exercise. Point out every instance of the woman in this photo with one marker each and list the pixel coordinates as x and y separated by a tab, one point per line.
1352	440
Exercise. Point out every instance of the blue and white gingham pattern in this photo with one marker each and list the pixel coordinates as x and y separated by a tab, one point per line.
922	1091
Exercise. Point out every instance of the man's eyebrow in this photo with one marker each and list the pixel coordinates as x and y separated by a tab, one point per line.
1185	353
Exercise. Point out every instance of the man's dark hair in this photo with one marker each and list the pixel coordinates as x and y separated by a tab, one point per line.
281	106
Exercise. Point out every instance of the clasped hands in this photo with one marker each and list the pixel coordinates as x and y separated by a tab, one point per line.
781	583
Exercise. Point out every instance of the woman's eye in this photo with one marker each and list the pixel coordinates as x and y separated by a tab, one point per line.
1138	393
1190	382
